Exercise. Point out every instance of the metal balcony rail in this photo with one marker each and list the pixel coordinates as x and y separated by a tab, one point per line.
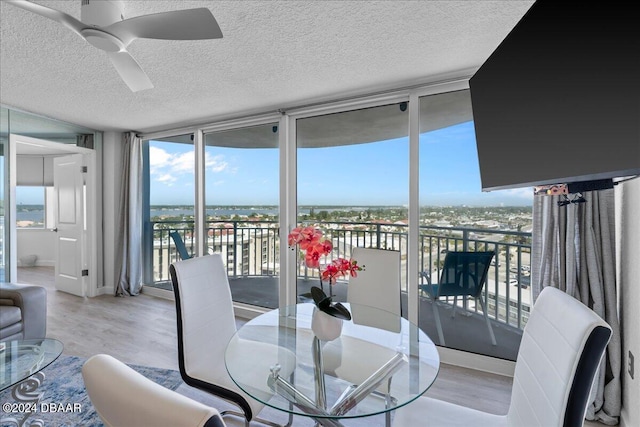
250	248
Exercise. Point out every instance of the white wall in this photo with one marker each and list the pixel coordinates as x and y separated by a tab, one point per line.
111	182
39	242
628	258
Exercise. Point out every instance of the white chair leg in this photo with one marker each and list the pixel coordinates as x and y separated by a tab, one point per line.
486	317
436	315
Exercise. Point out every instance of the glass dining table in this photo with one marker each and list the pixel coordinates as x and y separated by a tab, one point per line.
378	363
21	365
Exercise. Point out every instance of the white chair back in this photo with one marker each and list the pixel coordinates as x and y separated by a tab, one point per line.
562	344
206	323
378	285
124	397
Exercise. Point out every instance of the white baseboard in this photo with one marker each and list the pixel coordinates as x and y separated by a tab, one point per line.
39	263
104	290
245	311
447	355
45	263
477	362
159	293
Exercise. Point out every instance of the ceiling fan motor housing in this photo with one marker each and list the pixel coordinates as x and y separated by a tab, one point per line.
101	13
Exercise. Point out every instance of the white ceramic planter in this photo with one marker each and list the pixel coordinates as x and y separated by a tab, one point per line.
325	326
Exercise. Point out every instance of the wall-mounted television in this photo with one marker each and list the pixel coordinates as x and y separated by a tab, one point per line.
559	99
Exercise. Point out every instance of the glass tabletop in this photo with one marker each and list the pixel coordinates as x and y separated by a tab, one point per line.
19	359
379	362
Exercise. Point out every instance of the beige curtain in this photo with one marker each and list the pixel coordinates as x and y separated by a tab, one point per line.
130	238
574	250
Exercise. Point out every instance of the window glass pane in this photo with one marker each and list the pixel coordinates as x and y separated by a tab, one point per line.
456	216
50	208
353	184
30	207
171	202
4	142
242	197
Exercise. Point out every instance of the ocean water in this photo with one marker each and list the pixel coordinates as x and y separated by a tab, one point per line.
179	211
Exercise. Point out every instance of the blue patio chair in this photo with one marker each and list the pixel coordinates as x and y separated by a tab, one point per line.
463	274
180	246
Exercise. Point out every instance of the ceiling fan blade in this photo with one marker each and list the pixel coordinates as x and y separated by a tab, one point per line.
67	20
189	24
130	71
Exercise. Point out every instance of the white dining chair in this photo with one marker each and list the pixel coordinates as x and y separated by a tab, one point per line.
374	298
562	345
378	286
206	323
123	397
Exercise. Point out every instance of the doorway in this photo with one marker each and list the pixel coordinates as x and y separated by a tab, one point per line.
65	239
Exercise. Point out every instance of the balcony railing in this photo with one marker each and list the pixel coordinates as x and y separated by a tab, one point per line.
251	249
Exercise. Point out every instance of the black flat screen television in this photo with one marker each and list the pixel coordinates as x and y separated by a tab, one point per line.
559	99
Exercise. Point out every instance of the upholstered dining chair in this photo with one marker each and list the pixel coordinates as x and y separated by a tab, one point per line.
377	285
206	323
562	345
124	397
463	274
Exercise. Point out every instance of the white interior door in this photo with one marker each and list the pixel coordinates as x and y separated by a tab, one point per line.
71	259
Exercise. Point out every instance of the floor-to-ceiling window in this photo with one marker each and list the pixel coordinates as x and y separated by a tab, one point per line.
241	185
456	216
349	171
4	143
171	180
352	183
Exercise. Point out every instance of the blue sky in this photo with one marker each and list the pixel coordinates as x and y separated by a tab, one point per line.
363	174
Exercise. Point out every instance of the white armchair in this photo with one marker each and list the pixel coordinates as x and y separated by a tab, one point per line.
124	397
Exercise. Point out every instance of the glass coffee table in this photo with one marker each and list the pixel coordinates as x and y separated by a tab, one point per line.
378	363
21	363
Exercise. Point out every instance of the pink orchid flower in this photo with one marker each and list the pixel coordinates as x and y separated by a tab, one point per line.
310	241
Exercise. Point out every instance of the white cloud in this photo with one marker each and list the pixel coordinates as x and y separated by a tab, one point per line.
165	178
215	164
167	168
183	163
158	158
521	193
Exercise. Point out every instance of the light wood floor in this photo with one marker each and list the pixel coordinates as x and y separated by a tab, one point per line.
142	330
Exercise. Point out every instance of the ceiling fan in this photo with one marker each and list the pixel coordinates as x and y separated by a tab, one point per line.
103	25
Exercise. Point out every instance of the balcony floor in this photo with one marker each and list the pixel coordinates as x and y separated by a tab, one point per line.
466	331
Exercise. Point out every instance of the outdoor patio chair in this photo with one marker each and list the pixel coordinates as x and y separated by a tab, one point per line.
206	323
561	349
180	246
463	275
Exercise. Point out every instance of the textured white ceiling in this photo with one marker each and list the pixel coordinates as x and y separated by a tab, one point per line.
274	54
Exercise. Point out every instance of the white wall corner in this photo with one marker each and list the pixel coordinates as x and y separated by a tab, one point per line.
628	275
112	149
